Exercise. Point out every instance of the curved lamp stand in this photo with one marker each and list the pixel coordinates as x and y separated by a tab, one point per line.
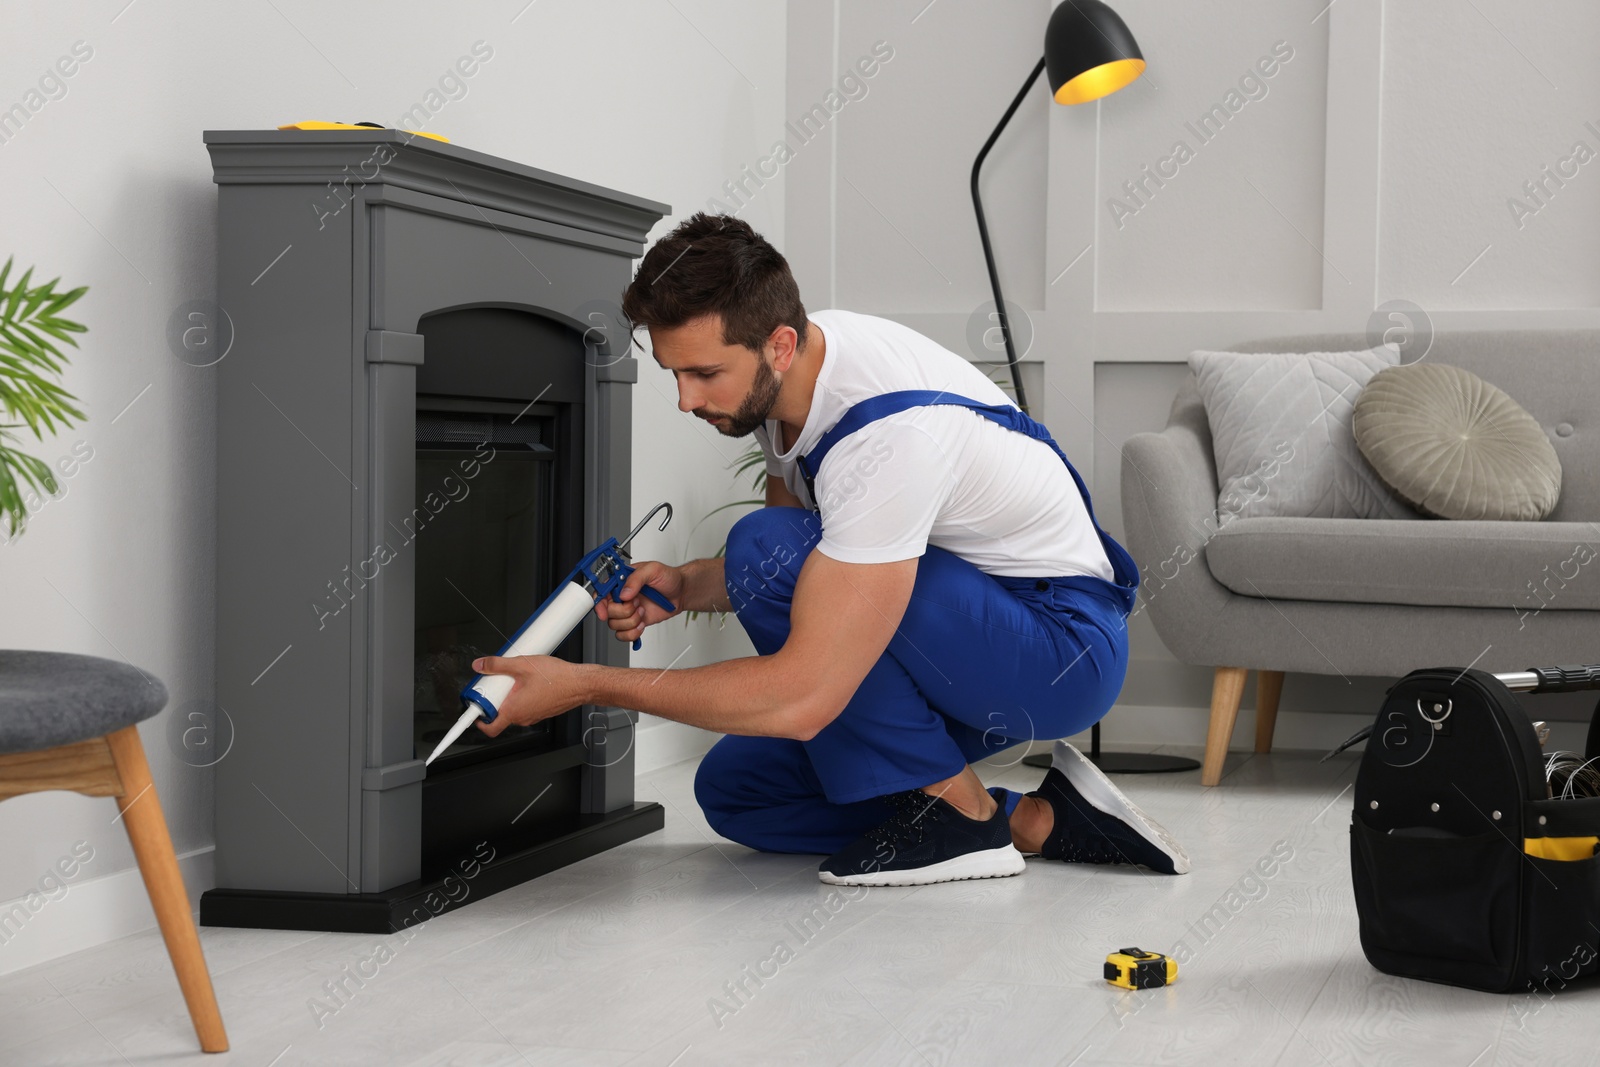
983	235
1090	53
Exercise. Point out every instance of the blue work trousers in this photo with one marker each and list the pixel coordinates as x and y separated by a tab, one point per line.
978	664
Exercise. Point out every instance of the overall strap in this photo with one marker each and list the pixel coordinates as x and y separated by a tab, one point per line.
1012	418
874	408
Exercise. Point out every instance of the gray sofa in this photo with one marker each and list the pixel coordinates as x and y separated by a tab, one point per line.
1372	596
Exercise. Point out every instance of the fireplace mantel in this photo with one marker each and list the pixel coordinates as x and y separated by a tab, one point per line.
349	159
333	248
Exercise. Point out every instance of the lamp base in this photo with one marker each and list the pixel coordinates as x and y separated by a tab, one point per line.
1127	762
1122	762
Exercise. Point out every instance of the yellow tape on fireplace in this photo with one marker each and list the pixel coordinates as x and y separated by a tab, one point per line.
1560	848
350	126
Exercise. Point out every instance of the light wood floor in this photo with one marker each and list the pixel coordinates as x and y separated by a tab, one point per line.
623	959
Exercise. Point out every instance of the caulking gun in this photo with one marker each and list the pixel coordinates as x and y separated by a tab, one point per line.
599	574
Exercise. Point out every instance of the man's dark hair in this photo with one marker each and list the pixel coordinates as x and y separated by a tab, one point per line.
716	264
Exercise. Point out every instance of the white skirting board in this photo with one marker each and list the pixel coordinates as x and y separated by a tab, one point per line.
92	912
661	742
1127	727
1133	728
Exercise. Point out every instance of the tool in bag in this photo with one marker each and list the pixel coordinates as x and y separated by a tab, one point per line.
1468	868
599	574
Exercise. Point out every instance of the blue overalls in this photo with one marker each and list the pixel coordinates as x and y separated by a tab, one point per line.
979	663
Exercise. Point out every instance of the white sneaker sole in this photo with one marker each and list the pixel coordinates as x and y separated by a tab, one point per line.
991	863
1097	789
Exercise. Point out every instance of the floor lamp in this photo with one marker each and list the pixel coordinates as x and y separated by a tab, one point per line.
1089	53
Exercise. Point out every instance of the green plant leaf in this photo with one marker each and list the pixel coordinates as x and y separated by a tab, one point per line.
755	458
61	328
64	300
30	369
40	346
17	467
17	292
752	457
32	300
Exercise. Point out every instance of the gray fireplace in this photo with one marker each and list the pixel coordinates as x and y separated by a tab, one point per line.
423	422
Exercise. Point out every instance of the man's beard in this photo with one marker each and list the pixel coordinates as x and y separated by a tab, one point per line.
757	404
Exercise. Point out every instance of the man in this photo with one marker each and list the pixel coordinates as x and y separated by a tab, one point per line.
926	587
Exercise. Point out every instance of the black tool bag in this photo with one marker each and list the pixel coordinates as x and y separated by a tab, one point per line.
1451	832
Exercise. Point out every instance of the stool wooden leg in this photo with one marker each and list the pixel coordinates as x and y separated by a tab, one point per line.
1227	687
152	847
1269	686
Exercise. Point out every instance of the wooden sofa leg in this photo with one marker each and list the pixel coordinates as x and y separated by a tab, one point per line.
1227	687
152	847
1269	686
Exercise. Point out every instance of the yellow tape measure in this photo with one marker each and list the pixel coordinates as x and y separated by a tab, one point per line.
317	125
1134	968
1561	848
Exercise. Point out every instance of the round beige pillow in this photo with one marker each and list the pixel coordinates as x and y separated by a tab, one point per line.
1455	447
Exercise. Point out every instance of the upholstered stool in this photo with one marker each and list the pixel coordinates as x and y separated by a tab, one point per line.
68	722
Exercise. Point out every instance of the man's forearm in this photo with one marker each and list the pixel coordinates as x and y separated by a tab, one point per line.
751	695
704	587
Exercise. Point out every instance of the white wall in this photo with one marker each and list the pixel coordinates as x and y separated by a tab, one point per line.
1377	165
109	186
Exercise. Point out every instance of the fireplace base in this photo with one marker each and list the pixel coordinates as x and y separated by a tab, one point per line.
389	911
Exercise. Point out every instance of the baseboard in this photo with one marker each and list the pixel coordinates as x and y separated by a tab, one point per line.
92	912
1129	726
1136	727
665	742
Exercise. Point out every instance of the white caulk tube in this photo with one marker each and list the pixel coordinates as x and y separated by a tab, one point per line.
539	637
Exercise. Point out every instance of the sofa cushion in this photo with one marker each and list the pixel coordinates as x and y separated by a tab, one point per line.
1280	432
1455	447
1520	567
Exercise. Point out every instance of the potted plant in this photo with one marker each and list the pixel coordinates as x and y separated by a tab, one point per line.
30	372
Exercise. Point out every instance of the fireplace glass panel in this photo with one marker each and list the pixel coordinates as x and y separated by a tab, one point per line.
485	498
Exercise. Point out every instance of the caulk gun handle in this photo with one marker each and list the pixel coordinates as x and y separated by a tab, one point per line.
656	598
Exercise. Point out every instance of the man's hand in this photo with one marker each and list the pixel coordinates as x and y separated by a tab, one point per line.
545	687
636	611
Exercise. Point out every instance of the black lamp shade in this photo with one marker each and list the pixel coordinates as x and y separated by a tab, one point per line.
1089	52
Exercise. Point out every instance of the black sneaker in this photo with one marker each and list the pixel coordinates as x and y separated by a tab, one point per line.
926	840
1095	823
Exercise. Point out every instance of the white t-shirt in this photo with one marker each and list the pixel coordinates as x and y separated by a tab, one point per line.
936	474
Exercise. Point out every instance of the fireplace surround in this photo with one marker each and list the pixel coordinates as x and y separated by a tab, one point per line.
423	421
